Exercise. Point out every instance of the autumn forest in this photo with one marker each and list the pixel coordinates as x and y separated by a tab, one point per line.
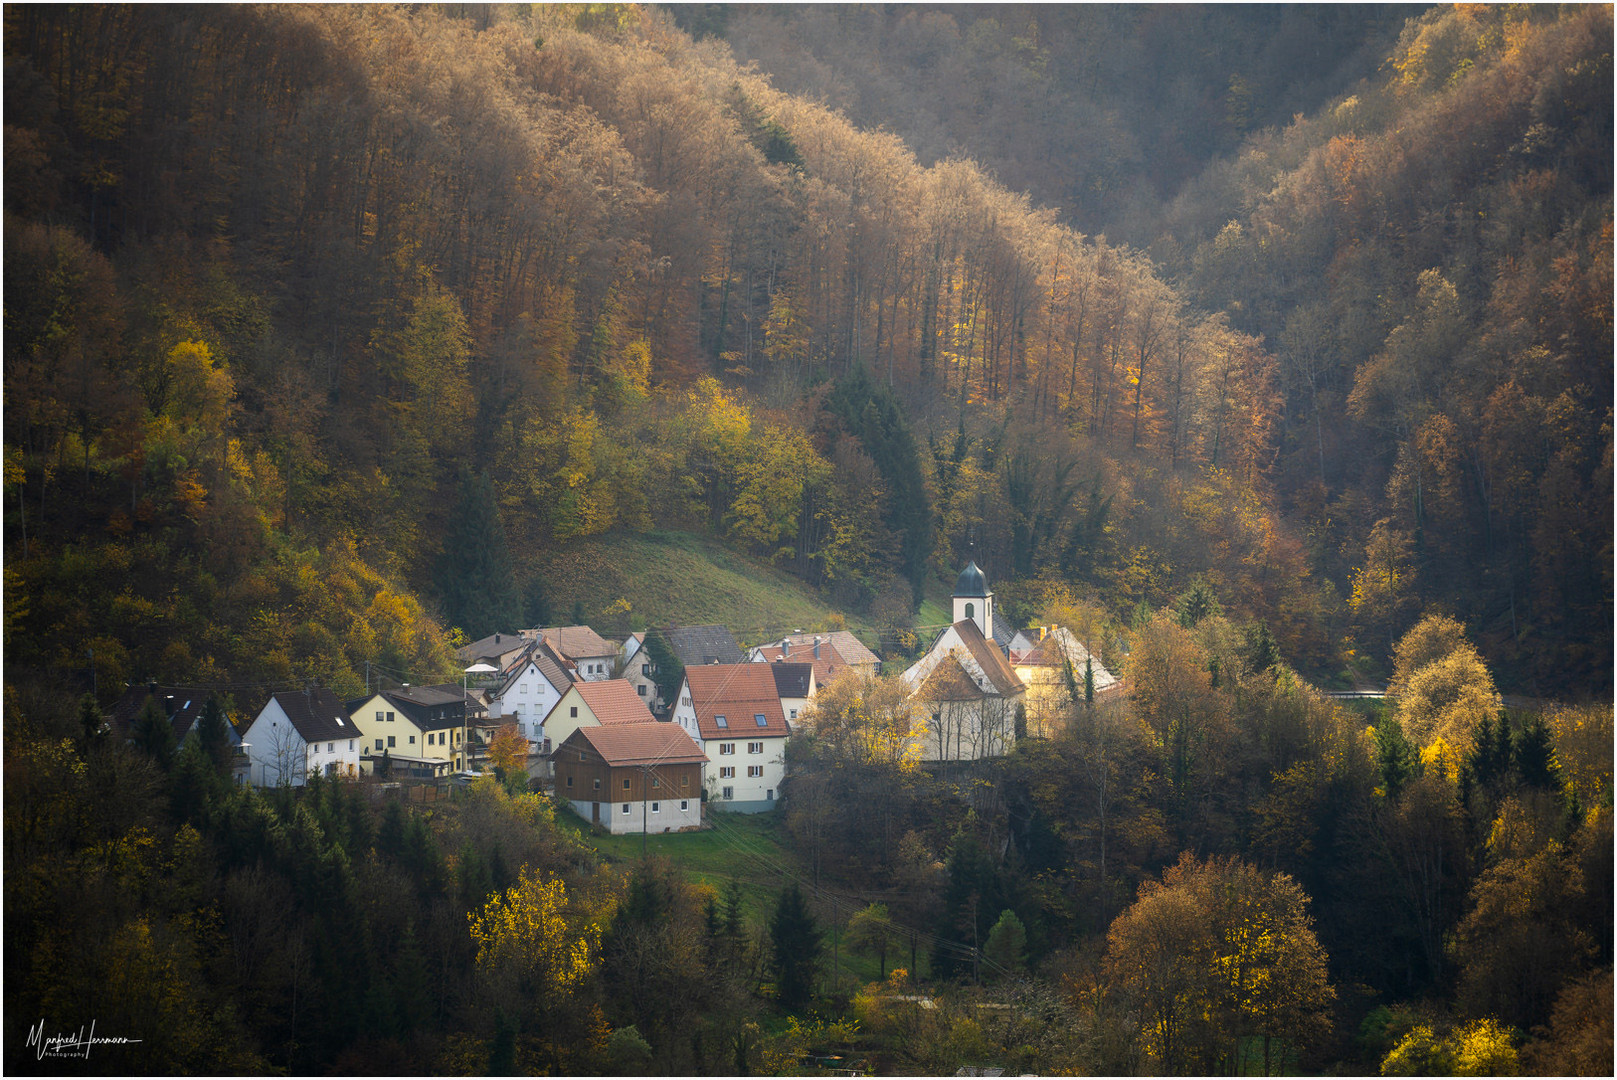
1267	348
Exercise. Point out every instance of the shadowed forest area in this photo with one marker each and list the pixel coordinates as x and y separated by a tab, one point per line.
1267	349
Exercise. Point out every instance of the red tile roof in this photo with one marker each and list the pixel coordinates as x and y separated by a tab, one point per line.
740	693
614	701
826	666
650	743
989	658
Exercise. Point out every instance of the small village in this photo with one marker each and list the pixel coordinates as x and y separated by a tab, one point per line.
584	718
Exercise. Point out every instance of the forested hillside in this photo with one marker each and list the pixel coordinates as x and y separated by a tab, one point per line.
291	283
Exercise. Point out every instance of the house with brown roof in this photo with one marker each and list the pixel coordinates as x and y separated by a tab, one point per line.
298	733
734	713
593	704
826	661
803	648
498	650
634	777
591	656
964	692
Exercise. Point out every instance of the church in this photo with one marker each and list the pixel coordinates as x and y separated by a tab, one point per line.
964	691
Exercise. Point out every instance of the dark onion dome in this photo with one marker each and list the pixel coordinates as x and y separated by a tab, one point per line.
971	582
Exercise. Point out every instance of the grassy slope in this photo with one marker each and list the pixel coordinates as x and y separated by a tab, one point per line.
750	848
681	578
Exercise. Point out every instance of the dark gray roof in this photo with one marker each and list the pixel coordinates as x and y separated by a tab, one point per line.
1004	632
791	680
698	646
430	707
971	581
183	706
317	715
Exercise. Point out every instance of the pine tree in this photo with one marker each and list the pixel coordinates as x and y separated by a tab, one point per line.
480	589
872	415
214	735
797	944
154	733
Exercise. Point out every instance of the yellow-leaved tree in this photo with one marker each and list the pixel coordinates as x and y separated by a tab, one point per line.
537	946
1441	686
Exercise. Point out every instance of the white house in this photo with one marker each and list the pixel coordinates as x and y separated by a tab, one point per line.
529	690
733	711
964	691
297	733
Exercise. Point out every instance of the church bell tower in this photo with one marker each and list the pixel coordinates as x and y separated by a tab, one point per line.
973	601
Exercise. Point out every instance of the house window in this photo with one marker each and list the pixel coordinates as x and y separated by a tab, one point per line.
645	669
729	793
727	772
771	795
390	718
569	781
721	721
641	689
656	808
685	700
794	714
684	804
727	748
625	808
656	782
378	744
755	748
625	783
758	718
331	748
685	781
412	740
379	715
597	783
971	611
350	745
390	742
574	710
755	771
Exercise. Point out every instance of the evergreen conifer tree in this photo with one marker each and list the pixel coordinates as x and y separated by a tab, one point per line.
154	734
797	944
214	734
480	589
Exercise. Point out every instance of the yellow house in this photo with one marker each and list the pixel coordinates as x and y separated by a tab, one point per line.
420	728
592	704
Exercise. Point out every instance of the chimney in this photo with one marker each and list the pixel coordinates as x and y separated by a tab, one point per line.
816	646
168	704
1042	631
496	639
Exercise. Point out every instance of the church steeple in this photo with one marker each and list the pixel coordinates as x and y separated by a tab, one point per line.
973	600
